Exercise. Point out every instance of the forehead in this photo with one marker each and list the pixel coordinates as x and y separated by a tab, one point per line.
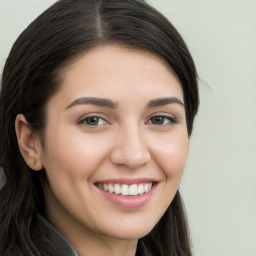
116	72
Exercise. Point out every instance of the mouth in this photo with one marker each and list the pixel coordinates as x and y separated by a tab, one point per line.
129	190
127	193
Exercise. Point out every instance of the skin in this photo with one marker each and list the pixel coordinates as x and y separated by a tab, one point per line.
126	143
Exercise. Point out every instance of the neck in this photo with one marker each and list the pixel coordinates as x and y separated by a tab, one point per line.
107	248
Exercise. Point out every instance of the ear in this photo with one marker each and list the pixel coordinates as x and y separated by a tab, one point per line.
29	143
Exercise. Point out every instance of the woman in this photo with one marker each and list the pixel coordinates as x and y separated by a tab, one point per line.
97	105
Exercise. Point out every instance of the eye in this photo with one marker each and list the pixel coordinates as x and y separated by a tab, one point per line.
93	121
162	120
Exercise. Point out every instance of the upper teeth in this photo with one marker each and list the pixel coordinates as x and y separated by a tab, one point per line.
127	190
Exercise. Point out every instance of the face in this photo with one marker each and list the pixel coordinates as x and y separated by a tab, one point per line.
115	144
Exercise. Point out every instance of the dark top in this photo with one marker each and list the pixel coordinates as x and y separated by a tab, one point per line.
64	247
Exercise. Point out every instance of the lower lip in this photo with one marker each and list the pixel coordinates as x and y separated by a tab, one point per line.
128	202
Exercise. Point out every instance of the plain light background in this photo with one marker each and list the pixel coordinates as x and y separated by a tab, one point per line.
219	184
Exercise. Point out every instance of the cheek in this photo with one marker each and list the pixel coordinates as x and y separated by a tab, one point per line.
70	160
74	154
171	153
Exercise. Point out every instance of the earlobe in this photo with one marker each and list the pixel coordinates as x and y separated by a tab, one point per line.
29	143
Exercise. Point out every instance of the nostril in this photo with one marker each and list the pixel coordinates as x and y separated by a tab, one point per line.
130	156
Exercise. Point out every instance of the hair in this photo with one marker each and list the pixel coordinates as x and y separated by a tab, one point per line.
32	74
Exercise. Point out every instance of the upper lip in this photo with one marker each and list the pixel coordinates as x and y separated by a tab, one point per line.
127	181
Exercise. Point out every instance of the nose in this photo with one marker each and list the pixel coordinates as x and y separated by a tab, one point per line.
130	149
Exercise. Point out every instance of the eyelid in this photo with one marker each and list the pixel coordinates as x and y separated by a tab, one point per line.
172	119
98	115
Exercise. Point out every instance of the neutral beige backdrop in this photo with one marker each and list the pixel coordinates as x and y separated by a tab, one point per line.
219	184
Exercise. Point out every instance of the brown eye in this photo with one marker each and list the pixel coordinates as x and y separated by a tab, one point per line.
158	120
162	120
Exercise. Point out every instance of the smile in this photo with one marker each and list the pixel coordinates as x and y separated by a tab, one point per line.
126	190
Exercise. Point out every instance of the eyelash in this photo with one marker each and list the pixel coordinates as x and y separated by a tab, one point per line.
168	120
86	118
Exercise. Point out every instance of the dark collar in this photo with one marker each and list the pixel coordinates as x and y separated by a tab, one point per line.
64	247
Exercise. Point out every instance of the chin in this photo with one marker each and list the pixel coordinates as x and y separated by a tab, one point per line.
131	232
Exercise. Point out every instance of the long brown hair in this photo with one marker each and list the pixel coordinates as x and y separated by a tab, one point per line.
32	75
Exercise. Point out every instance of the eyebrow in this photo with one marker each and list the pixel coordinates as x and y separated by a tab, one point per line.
164	101
114	105
94	101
